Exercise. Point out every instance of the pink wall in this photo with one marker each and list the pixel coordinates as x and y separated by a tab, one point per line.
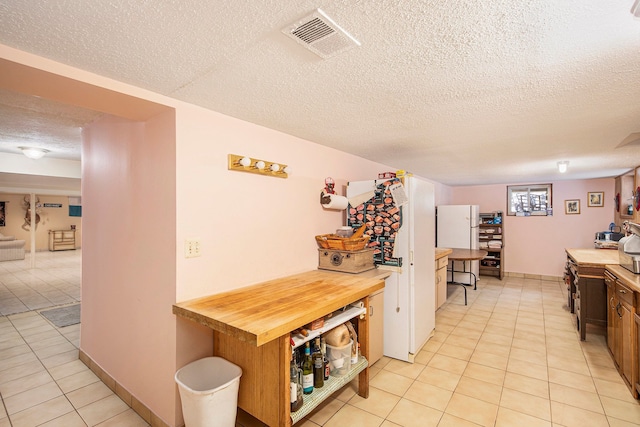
129	273
535	245
252	227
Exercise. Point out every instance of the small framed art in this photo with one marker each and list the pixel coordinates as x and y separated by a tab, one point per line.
595	199
572	207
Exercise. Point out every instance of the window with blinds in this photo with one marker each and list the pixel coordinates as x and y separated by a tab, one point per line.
527	200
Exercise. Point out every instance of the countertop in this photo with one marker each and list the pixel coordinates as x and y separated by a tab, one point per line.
626	277
442	252
263	312
458	254
593	257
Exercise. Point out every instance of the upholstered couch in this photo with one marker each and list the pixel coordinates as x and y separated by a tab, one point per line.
10	248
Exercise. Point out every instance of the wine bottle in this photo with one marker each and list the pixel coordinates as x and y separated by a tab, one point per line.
295	388
307	371
325	359
318	366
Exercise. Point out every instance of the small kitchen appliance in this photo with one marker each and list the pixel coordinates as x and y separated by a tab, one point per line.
629	248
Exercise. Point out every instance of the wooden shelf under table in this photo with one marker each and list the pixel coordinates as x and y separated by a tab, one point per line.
252	328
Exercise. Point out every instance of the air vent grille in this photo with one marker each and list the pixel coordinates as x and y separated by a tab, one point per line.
313	31
321	35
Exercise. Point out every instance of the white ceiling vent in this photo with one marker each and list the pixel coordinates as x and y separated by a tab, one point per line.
321	35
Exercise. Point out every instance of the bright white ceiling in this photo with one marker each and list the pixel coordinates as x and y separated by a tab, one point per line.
459	91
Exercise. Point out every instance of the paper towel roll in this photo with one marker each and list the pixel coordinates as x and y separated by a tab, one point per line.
336	202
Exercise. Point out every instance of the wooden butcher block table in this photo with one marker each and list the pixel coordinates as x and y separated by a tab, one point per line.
252	328
586	290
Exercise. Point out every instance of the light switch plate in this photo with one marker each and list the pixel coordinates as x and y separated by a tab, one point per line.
192	248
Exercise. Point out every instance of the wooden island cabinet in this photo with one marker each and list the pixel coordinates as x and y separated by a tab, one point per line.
586	290
252	329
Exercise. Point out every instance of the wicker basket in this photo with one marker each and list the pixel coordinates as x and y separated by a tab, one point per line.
322	241
357	244
333	241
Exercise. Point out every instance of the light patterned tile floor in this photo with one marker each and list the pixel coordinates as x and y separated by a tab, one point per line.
42	381
511	357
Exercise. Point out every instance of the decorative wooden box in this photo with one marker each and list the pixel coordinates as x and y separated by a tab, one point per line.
346	261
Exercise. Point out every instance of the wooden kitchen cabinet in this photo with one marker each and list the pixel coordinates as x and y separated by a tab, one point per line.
442	261
376	327
624	188
622	331
636	213
637	348
252	329
624	336
610	281
441	281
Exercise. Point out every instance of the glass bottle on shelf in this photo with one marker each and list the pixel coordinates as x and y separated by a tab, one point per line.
307	371
295	384
323	348
318	365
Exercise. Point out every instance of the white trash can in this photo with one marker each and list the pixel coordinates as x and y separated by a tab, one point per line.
209	392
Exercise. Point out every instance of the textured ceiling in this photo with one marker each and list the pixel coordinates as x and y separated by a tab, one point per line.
458	91
28	121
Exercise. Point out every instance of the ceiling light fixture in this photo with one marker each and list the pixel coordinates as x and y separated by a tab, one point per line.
33	153
635	9
564	165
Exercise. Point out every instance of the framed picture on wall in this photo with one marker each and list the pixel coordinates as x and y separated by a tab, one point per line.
572	207
595	199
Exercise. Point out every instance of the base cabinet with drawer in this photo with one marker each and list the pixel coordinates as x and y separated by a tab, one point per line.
441	281
621	329
376	327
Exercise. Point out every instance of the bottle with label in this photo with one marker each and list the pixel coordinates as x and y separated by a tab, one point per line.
325	359
355	350
318	366
295	386
307	371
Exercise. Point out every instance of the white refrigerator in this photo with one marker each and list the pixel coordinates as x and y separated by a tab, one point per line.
457	227
409	294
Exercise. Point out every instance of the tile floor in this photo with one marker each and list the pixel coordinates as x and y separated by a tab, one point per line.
42	381
510	358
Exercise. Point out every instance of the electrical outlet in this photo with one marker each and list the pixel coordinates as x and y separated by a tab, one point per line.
192	248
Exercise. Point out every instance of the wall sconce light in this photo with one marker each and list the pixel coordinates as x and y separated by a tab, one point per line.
563	166
262	167
33	153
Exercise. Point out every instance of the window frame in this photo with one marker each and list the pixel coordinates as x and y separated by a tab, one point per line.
530	188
